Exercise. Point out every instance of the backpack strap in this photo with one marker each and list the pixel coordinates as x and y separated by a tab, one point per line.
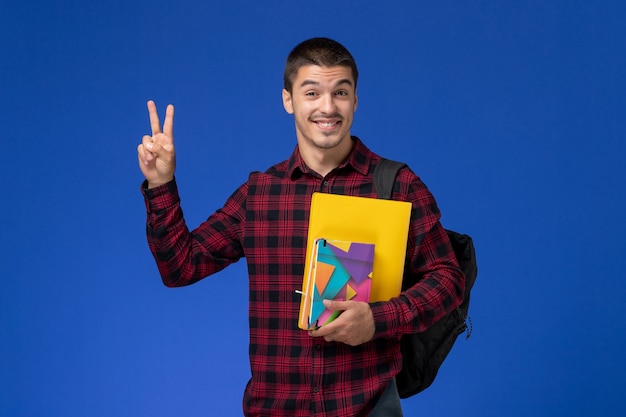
424	352
385	176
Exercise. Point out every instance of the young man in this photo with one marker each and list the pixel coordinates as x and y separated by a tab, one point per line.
347	367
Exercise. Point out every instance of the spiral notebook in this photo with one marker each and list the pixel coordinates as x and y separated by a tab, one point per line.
341	271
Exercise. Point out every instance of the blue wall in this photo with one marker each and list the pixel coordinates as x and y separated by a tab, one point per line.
511	112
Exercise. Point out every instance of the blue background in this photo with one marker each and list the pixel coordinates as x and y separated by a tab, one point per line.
511	112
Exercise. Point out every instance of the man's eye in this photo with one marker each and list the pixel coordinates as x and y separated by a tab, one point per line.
311	93
342	93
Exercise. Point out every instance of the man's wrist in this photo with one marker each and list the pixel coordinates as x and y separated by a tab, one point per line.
155	184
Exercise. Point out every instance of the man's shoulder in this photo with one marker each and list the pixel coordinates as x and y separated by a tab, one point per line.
277	171
280	169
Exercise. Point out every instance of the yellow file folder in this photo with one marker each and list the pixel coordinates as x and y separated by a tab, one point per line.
383	223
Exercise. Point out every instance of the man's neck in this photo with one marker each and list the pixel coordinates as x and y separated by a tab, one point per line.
323	161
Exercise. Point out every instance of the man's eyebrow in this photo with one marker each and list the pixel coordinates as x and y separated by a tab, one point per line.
316	83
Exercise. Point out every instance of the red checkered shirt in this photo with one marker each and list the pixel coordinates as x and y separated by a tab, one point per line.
266	220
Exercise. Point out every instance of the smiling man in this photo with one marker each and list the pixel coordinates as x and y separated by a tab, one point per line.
347	367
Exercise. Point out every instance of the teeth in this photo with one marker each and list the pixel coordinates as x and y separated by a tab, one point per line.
326	124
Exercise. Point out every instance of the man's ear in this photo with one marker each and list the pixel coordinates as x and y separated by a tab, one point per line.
356	101
287	103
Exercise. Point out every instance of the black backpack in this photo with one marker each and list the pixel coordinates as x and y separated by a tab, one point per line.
424	352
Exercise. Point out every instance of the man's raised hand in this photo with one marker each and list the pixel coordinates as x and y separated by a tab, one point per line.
157	159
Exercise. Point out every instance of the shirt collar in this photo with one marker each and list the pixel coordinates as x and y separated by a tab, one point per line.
359	160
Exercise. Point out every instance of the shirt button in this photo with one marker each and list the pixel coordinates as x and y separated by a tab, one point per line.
325	183
316	389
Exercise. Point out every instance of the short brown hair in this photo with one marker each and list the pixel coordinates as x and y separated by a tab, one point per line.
322	52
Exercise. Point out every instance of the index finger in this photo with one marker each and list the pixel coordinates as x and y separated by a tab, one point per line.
155	124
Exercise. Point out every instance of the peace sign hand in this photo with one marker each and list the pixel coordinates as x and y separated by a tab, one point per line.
157	159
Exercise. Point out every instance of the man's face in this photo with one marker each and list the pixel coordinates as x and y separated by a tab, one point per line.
323	103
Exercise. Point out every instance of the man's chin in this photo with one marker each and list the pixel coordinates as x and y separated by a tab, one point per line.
328	143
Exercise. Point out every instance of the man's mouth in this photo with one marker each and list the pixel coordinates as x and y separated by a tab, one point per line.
327	124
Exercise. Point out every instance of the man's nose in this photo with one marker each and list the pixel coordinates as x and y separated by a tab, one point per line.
327	104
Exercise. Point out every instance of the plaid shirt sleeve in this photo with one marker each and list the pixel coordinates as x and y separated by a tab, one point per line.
184	257
429	256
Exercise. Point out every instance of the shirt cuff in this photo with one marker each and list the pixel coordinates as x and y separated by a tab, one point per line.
161	197
385	320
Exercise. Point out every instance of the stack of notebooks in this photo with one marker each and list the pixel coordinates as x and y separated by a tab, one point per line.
355	251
